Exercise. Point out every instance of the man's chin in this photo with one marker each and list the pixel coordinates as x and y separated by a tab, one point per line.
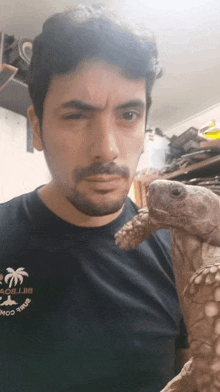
90	208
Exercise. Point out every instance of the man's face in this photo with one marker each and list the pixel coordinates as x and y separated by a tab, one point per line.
92	135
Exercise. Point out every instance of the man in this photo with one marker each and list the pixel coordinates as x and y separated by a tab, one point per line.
77	313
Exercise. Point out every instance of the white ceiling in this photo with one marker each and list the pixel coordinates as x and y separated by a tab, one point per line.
188	37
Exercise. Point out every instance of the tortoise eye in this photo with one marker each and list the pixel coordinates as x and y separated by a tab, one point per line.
177	190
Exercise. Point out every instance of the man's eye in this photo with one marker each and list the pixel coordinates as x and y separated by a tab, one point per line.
72	116
130	116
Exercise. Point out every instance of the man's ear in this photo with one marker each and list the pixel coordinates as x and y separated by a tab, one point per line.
35	126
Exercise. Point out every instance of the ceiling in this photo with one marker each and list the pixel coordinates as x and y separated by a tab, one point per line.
188	37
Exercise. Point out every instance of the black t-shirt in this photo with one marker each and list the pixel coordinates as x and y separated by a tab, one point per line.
78	314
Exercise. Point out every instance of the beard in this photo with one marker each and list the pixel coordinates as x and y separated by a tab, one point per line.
87	207
82	202
78	199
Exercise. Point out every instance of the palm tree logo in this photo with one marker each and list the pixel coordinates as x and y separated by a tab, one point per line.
14	277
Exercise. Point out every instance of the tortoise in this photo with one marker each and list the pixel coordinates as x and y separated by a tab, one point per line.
192	214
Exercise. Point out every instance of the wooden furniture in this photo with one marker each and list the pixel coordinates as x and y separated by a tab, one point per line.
205	168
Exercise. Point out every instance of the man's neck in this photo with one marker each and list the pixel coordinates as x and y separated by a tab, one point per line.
62	207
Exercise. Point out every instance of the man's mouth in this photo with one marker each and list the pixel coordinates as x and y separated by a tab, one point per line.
101	172
104	183
103	178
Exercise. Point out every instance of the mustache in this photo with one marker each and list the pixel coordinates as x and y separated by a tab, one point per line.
100	168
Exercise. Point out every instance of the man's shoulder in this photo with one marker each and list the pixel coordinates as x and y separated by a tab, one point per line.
10	209
14	219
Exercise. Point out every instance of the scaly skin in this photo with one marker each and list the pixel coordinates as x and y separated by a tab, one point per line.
203	297
193	216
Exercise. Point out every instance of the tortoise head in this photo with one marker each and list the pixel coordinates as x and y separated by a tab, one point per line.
193	209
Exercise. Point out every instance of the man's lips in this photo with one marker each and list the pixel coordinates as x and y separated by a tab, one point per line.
101	172
103	178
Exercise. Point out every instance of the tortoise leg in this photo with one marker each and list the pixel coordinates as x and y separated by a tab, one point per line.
135	231
184	381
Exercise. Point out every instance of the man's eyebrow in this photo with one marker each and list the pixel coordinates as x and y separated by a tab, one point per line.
76	104
80	105
132	104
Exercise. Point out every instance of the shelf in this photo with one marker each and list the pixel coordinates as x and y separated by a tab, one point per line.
143	180
14	96
207	163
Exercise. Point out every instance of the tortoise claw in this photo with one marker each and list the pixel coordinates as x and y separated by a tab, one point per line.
184	381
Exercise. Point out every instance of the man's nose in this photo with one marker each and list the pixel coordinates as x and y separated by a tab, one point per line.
103	140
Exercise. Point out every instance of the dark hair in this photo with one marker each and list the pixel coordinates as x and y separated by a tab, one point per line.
86	32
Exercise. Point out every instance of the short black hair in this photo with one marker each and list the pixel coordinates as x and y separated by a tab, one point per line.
87	32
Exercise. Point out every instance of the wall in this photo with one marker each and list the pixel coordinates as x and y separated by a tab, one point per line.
155	150
197	121
20	171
